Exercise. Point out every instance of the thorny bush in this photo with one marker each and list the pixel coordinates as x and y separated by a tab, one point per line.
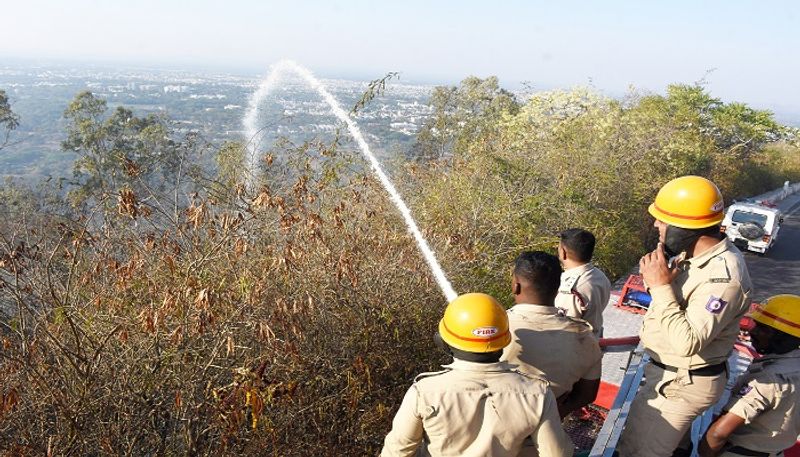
287	321
172	312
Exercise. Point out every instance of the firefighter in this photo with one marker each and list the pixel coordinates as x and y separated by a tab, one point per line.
477	405
545	343
762	417
700	289
584	289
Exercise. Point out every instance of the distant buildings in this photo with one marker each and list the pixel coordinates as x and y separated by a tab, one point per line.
209	103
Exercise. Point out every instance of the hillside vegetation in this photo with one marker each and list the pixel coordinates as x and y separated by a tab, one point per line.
149	306
511	176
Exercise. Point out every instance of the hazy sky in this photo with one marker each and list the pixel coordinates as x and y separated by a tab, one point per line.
753	47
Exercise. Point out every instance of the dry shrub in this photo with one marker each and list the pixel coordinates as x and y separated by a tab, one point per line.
288	322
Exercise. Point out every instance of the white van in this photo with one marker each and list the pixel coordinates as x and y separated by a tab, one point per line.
752	226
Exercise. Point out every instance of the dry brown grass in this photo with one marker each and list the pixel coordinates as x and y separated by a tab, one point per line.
289	322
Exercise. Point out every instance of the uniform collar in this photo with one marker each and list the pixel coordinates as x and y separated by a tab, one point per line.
777	363
790	359
701	260
526	308
579	269
463	365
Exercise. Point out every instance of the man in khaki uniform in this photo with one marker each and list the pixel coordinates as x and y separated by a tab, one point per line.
545	343
762	417
477	406
584	289
700	289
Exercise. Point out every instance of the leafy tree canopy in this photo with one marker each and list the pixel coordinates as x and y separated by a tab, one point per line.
8	119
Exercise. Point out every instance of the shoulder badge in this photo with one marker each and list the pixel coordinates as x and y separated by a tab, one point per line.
744	390
715	305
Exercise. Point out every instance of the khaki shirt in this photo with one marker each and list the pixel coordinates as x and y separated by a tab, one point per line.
477	409
694	321
767	397
584	293
558	348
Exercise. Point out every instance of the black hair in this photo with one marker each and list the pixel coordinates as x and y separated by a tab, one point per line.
479	357
579	242
541	270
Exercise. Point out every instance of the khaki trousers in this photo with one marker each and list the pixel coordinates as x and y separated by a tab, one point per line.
664	408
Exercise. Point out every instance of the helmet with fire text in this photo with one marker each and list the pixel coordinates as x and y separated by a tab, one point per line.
475	322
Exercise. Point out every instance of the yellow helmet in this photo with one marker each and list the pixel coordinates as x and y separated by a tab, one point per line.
691	202
781	312
475	323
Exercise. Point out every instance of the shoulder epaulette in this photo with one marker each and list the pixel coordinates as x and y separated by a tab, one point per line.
580	322
719	270
568	284
430	374
531	376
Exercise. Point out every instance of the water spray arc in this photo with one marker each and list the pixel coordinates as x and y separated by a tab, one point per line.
250	122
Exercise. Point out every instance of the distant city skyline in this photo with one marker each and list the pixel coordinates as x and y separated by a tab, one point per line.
745	51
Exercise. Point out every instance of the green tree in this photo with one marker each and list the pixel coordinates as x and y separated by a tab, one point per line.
231	164
116	151
461	115
8	119
577	158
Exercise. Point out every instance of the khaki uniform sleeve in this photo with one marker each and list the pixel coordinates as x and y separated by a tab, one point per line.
590	349
550	438
753	399
589	294
571	304
596	371
406	433
711	307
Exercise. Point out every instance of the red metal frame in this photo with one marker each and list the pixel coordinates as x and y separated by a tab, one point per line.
607	391
622	341
634	282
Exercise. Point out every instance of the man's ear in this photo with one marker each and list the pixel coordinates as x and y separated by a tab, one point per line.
562	252
516	287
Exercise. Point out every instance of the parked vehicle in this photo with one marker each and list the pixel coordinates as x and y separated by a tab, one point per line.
752	226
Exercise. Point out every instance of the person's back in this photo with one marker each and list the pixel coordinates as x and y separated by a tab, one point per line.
561	349
584	290
477	406
558	348
476	409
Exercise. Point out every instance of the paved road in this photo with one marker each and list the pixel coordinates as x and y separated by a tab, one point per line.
778	272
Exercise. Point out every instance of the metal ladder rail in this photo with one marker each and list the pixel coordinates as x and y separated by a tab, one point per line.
609	434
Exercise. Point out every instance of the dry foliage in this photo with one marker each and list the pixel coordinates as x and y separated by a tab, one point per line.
174	313
288	322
